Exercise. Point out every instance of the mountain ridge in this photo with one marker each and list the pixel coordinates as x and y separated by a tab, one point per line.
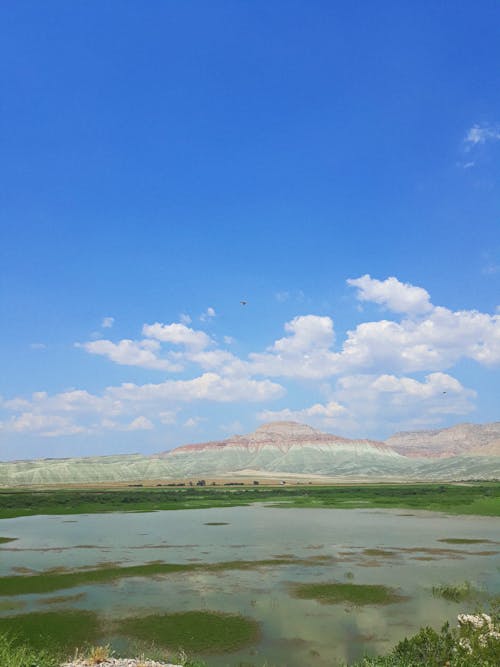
464	451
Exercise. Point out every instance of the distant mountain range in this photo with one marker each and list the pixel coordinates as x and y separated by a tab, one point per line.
290	450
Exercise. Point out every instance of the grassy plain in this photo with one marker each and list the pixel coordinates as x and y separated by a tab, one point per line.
482	498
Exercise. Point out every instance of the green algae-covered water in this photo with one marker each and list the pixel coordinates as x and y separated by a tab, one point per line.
400	550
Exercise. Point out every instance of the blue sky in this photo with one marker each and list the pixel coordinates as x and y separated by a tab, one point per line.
335	165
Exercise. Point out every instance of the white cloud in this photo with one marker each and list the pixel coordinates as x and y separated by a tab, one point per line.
38	346
140	424
43	425
193	422
393	294
168	417
391	402
131	353
78	411
185	318
178	334
432	338
107	322
206	387
304	353
436	342
282	296
321	415
208	314
228	340
480	134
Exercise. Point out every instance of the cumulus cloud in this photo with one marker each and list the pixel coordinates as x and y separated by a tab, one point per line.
431	338
206	387
40	424
78	411
140	424
127	352
361	404
393	294
305	352
372	364
177	334
107	322
435	342
378	401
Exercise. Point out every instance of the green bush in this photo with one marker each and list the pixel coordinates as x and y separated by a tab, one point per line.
474	643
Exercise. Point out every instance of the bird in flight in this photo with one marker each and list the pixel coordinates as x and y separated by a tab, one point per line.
243	303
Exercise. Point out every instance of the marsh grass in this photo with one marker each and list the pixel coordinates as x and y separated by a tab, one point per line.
4	540
216	523
382	553
12	655
196	631
464	540
59	579
455	593
11	605
62	599
61	631
357	594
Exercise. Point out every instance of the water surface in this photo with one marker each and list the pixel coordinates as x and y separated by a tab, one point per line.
295	632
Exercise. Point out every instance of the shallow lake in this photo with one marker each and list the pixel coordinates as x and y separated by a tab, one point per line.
294	632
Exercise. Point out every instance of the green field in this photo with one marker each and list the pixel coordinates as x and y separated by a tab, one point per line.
482	498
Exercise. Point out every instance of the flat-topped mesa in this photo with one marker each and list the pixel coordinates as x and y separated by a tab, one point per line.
282	435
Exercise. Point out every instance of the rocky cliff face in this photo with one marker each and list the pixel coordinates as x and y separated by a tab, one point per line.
459	440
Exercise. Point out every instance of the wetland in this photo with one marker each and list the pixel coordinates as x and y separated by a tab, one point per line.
245	584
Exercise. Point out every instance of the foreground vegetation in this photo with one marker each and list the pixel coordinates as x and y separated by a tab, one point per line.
477	498
474	643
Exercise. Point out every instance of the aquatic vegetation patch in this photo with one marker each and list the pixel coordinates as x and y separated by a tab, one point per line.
197	631
4	540
11	605
465	540
64	630
455	593
62	599
357	594
383	553
60	579
216	523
